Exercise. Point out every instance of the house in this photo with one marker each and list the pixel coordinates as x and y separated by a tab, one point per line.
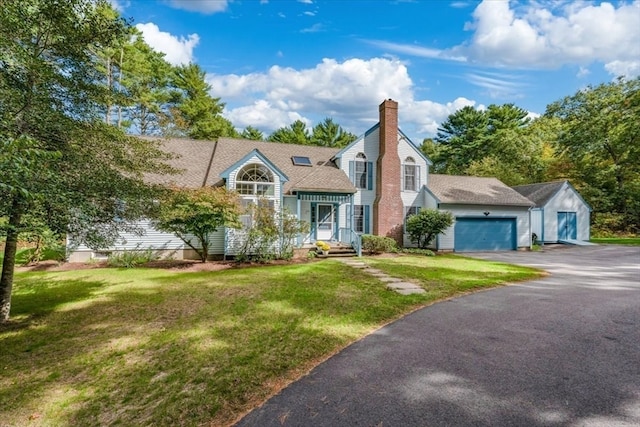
560	214
369	187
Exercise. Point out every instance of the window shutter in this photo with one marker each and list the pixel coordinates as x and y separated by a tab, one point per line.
352	168
369	175
402	183
418	186
366	219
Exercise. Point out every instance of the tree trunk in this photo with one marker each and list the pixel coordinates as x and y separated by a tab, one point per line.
9	262
205	249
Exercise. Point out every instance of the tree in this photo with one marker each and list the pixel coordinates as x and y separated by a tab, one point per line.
424	226
145	83
252	133
296	133
60	162
197	214
330	134
462	138
196	113
601	137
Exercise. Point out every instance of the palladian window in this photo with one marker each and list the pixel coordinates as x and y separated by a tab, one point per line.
255	180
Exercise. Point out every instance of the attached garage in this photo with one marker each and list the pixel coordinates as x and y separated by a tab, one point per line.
485	234
489	215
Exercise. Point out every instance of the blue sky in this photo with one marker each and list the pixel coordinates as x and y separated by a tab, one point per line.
275	61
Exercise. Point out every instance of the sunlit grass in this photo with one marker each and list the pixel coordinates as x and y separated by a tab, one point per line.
634	241
159	347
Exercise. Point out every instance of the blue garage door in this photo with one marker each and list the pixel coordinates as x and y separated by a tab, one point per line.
485	234
567	226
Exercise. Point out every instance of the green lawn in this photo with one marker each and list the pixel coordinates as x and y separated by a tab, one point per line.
635	241
164	347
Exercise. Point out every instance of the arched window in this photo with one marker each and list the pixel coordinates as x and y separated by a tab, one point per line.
410	175
361	171
255	180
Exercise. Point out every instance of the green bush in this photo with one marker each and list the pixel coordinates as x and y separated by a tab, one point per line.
130	259
426	225
377	244
418	251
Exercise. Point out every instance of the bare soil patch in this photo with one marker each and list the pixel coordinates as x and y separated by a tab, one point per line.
181	265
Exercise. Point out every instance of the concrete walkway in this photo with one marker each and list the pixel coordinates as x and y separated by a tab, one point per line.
393	283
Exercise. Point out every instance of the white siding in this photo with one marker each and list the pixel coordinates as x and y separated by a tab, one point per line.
566	200
370	146
446	240
150	238
536	223
236	238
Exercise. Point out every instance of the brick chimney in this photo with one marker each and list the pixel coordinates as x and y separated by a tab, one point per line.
388	209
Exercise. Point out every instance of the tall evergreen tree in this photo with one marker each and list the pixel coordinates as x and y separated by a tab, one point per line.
195	112
330	134
295	133
252	133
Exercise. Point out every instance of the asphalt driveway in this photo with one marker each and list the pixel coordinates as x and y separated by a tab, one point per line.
560	351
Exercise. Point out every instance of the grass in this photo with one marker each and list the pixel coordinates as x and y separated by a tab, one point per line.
164	347
634	241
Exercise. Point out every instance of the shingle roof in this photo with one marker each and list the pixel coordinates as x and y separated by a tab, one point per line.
471	190
540	193
202	162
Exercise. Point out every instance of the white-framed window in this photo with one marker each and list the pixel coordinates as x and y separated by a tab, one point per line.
361	171
249	206
409	211
255	180
358	218
410	175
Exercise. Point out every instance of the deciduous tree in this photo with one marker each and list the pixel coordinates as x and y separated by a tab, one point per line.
195	214
58	157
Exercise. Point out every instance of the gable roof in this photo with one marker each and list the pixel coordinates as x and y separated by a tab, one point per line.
471	190
539	193
204	163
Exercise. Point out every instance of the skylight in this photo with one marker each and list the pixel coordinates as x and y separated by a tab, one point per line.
301	161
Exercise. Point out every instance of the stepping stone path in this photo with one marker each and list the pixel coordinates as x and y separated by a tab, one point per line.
393	283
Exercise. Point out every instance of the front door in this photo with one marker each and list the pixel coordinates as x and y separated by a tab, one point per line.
326	219
567	226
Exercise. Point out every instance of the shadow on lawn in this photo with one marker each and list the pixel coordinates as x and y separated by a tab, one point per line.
38	296
181	349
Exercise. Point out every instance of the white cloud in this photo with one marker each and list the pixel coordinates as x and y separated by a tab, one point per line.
538	37
497	85
414	50
202	6
628	69
315	28
120	5
348	91
177	50
583	72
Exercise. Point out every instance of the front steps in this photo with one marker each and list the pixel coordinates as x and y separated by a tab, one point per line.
339	251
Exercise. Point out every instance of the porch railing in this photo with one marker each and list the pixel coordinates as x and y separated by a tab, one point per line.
349	237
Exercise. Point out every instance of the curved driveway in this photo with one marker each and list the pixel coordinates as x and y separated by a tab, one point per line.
560	351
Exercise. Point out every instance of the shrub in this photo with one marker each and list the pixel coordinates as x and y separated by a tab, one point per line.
426	225
377	244
418	251
130	259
